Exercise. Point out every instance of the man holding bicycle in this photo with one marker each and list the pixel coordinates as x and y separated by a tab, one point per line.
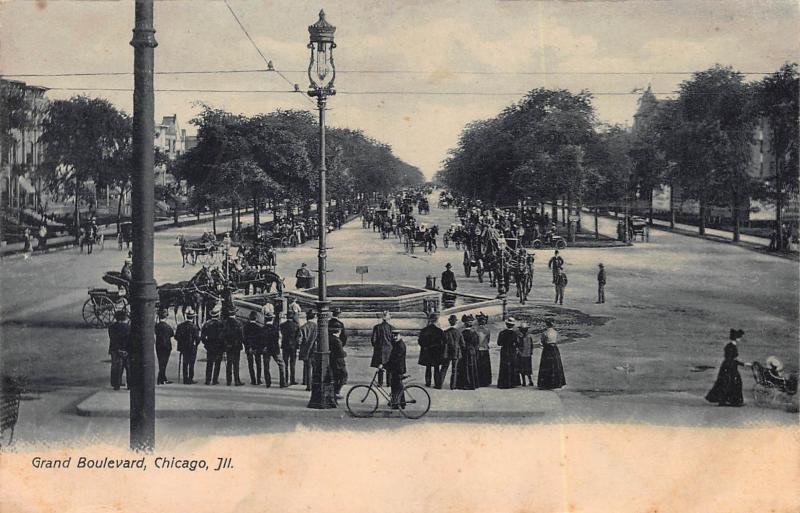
396	365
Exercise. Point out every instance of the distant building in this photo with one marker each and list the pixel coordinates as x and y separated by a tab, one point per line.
171	140
21	151
762	164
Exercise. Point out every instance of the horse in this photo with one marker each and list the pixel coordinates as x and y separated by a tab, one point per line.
241	278
187	293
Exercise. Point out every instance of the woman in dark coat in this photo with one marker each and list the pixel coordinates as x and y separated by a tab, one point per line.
467	375
508	340
727	389
551	371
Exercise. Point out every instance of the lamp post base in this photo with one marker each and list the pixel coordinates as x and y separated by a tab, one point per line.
323	397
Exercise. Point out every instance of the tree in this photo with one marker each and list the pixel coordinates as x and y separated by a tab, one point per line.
83	139
710	128
776	100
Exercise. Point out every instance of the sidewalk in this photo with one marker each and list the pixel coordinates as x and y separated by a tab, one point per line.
201	401
109	232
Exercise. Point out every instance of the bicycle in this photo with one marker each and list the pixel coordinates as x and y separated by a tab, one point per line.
362	400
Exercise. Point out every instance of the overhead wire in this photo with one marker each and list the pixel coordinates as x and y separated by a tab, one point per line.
263	57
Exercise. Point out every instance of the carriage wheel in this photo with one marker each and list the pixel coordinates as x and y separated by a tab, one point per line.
561	244
104	310
761	395
537	244
88	312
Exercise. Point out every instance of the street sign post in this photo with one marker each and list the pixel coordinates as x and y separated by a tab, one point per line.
362	270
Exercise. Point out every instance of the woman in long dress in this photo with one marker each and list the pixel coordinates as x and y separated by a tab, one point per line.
727	389
551	371
467	374
484	363
508	340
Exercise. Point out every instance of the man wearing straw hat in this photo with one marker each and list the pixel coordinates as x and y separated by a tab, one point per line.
188	336
211	335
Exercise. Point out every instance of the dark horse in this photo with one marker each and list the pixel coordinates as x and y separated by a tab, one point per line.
241	278
196	292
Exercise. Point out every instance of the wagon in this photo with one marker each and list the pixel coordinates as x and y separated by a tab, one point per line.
98	311
638	226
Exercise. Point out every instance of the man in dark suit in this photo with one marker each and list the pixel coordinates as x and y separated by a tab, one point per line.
449	283
335	323
233	335
118	344
431	338
555	263
337	361
211	335
254	343
601	284
381	345
396	367
188	336
290	341
451	352
164	334
272	351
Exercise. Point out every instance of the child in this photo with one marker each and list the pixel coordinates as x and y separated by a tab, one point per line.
525	355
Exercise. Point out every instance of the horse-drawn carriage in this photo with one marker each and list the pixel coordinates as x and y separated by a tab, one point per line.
205	249
638	226
423	207
98	311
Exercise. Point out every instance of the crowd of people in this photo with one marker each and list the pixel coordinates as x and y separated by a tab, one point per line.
224	337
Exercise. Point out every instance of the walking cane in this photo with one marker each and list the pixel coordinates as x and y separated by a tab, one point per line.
180	356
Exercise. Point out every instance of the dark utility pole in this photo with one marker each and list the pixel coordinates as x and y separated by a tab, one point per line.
321	74
143	287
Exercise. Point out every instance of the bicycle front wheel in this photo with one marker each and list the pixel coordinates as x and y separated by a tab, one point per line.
362	401
418	402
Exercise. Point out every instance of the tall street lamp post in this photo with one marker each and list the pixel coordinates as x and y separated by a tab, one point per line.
143	287
321	73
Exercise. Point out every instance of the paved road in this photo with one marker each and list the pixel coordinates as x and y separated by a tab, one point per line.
670	304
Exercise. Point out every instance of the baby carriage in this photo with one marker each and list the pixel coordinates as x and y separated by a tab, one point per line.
772	388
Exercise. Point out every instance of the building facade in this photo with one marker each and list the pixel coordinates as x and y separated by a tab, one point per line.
24	108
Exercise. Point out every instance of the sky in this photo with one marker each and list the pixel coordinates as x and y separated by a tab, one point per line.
409	73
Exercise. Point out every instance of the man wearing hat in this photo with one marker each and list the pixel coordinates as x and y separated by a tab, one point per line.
448	283
211	335
254	343
508	340
233	335
560	283
272	351
451	352
119	333
290	340
308	344
164	334
396	367
555	263
126	272
431	340
381	345
335	322
601	284
188	336
303	276
337	362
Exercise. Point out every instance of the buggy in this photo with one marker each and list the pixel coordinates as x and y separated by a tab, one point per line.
773	390
98	311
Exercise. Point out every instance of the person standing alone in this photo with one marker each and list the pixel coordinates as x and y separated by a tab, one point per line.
601	284
560	283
